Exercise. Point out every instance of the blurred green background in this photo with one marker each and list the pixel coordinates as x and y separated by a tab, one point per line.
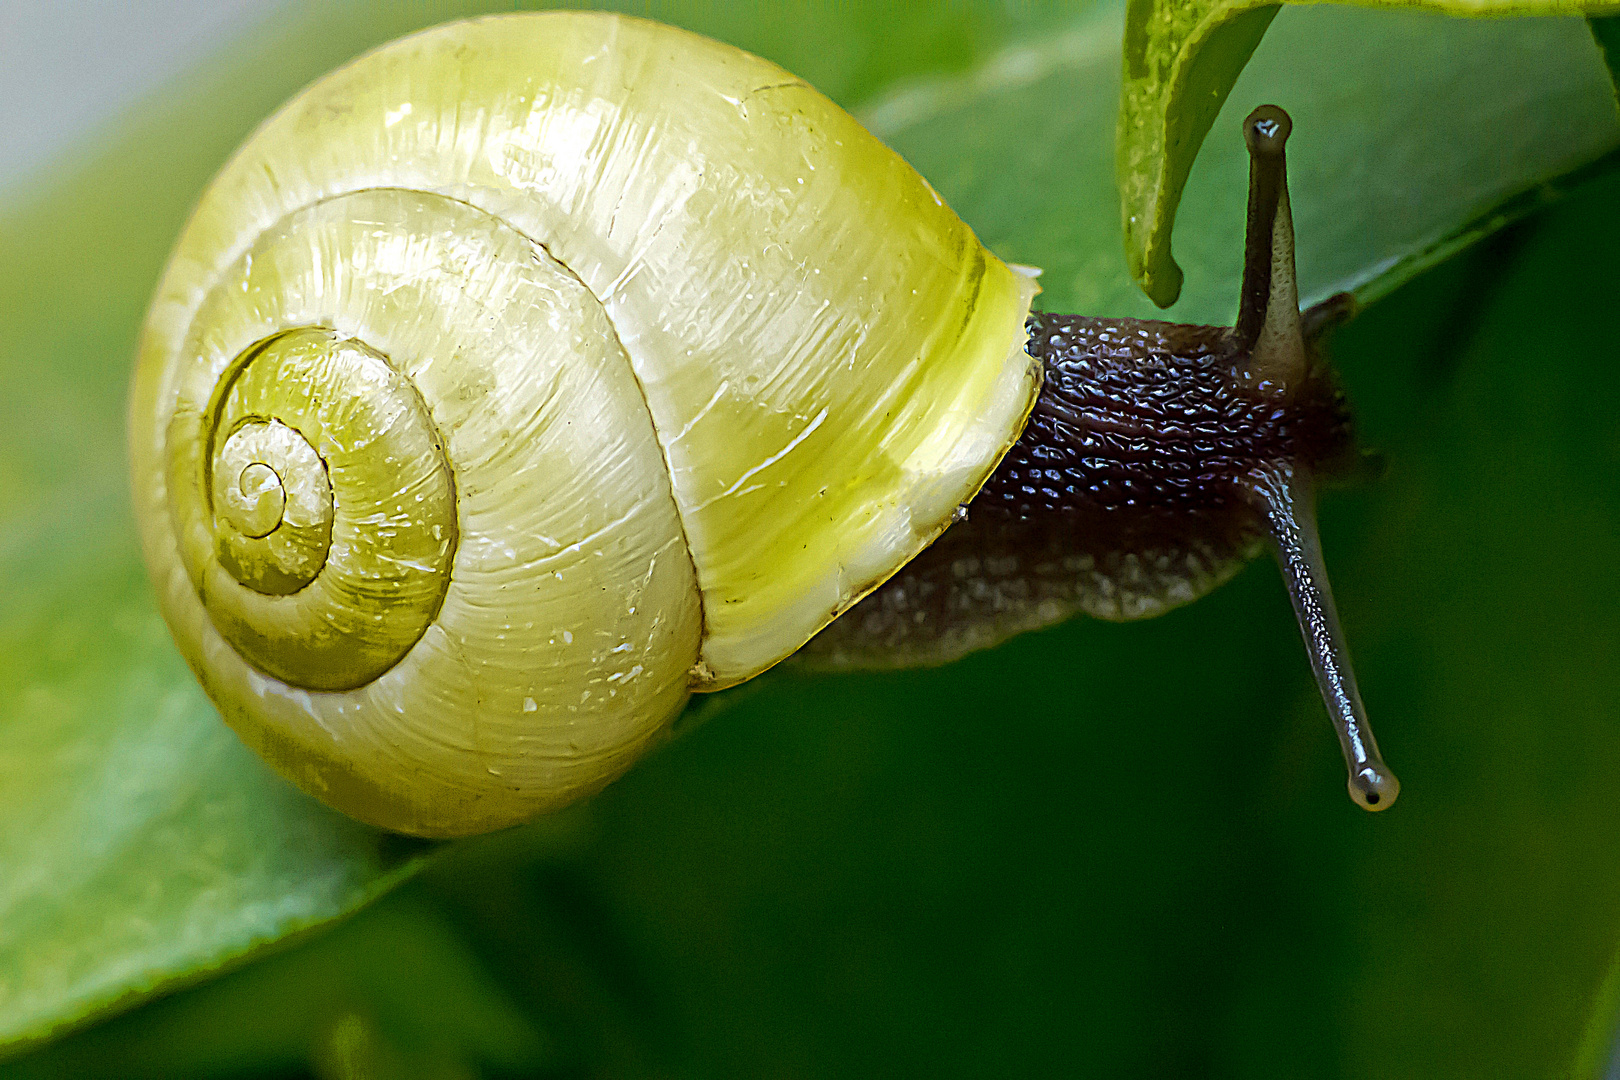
1102	850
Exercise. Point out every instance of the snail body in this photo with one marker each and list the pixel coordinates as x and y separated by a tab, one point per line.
529	373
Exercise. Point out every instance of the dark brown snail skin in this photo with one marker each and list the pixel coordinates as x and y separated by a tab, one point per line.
1159	457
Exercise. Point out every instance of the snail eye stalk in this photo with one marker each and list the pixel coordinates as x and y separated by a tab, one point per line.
1268	331
1274	359
1287	504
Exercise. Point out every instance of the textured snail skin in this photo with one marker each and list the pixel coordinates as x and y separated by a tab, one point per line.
1125	496
526	374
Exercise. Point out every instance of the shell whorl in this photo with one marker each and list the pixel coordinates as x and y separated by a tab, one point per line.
322	588
466	522
527	374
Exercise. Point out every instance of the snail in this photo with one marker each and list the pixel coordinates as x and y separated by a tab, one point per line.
530	373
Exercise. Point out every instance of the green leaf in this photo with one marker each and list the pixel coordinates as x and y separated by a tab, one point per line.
1089	823
396	994
141	841
1183	57
1606	31
1413	136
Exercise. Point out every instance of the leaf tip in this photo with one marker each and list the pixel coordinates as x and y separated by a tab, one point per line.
1161	279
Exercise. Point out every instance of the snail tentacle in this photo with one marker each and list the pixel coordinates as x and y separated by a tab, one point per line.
1285	498
1269	341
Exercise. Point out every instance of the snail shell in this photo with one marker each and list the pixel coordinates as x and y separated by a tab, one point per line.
528	373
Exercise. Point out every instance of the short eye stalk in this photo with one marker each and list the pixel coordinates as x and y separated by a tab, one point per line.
1269	336
1275	349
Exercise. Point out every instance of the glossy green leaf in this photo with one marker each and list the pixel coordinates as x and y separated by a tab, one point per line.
1414	135
397	994
1023	863
1182	58
141	841
1606	31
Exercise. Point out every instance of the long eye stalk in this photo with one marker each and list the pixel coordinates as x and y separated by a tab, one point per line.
1275	360
1284	496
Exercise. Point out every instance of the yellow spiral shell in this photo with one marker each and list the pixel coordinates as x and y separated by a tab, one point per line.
528	373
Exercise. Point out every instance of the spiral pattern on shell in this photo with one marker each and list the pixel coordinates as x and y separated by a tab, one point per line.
496	397
317	597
